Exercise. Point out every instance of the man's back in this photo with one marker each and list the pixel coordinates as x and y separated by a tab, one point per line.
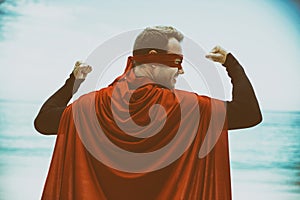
131	164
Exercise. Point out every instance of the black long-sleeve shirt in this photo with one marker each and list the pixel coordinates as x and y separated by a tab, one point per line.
242	112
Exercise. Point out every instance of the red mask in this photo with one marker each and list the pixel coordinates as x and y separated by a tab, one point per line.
171	60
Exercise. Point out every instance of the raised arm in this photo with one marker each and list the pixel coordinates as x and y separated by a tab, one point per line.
243	111
48	118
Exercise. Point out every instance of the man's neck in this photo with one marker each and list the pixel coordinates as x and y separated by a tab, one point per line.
143	71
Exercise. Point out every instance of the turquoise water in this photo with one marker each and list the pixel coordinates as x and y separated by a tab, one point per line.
265	161
25	155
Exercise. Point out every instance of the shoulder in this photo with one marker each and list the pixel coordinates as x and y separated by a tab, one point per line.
192	95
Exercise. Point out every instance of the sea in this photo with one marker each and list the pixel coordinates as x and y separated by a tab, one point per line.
265	161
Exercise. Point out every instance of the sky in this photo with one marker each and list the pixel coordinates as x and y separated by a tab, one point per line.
40	43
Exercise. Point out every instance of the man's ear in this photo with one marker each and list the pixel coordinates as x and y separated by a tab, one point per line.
152	51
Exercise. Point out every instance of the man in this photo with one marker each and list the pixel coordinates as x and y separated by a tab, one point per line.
85	164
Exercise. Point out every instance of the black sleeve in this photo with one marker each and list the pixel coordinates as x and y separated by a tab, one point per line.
243	111
48	118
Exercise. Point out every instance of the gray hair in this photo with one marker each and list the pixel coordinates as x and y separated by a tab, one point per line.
156	38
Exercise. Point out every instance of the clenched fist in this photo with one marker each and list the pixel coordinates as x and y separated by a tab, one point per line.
81	70
217	54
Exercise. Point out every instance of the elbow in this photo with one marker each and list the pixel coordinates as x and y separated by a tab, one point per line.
255	117
259	118
40	127
246	122
243	116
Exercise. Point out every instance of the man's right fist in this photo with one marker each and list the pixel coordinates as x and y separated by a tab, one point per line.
217	54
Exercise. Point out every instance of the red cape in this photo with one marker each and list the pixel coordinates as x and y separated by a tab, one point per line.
85	166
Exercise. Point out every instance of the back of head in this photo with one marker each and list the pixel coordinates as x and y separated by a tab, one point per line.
155	38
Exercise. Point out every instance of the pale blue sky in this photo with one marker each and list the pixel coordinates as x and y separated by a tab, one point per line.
41	45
